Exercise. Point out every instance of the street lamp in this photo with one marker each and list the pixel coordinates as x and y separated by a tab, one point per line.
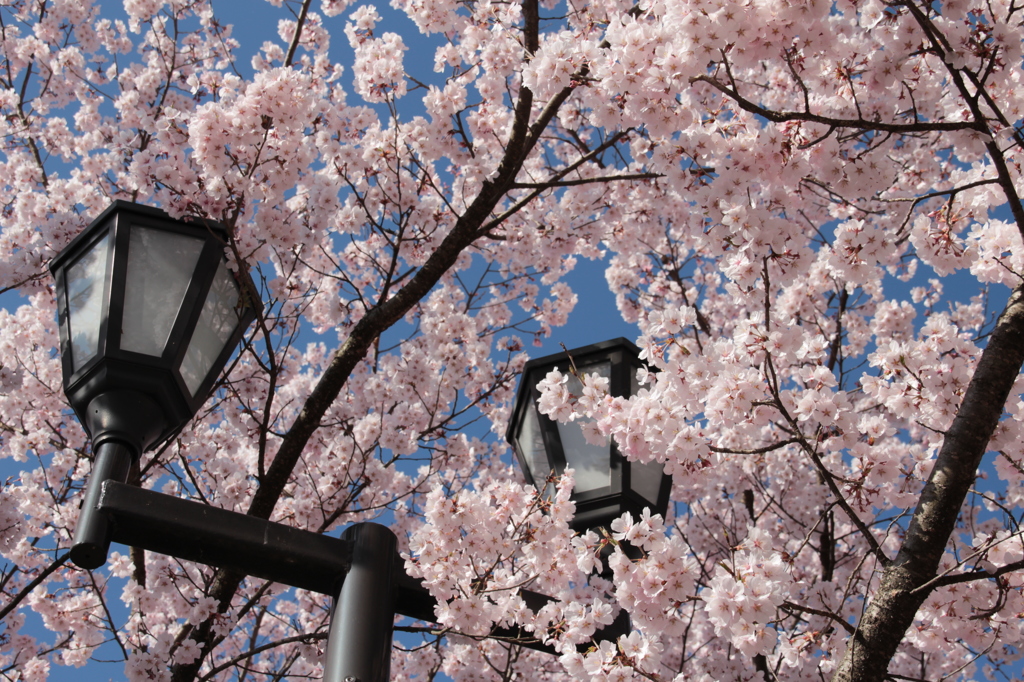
149	312
607	484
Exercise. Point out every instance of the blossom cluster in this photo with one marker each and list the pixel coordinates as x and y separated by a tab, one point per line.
810	211
743	598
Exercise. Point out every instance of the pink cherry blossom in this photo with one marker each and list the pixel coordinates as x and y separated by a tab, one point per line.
811	211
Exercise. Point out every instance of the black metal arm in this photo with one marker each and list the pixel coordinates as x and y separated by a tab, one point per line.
219	537
226	539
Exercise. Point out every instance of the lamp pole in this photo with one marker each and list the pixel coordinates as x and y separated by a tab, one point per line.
359	644
149	314
121	424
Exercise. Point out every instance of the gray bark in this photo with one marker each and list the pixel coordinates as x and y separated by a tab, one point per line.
902	589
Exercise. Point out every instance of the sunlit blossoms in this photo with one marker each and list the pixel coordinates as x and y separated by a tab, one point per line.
811	211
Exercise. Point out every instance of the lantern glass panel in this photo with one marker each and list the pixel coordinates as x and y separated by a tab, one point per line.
86	283
160	267
645	479
216	322
592	463
531	444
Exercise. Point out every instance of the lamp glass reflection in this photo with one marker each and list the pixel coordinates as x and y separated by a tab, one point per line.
160	267
645	477
86	283
592	463
216	322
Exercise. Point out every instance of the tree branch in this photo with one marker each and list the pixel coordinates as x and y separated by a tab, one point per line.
305	638
818	612
297	36
857	123
755	451
586	181
377	319
958	578
827	477
898	598
36	582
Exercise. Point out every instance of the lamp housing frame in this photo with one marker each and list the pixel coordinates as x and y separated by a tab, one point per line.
144	387
598	507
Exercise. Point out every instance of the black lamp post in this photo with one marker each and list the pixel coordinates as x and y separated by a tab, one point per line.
149	313
607	484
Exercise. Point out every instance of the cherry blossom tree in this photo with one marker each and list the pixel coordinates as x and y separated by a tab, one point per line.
811	209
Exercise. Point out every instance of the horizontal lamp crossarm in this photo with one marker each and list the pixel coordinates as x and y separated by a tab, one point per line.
225	539
217	537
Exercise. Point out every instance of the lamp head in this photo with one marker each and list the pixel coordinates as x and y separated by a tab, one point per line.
149	312
607	484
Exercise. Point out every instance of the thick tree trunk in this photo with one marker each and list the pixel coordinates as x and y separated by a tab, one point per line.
901	592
